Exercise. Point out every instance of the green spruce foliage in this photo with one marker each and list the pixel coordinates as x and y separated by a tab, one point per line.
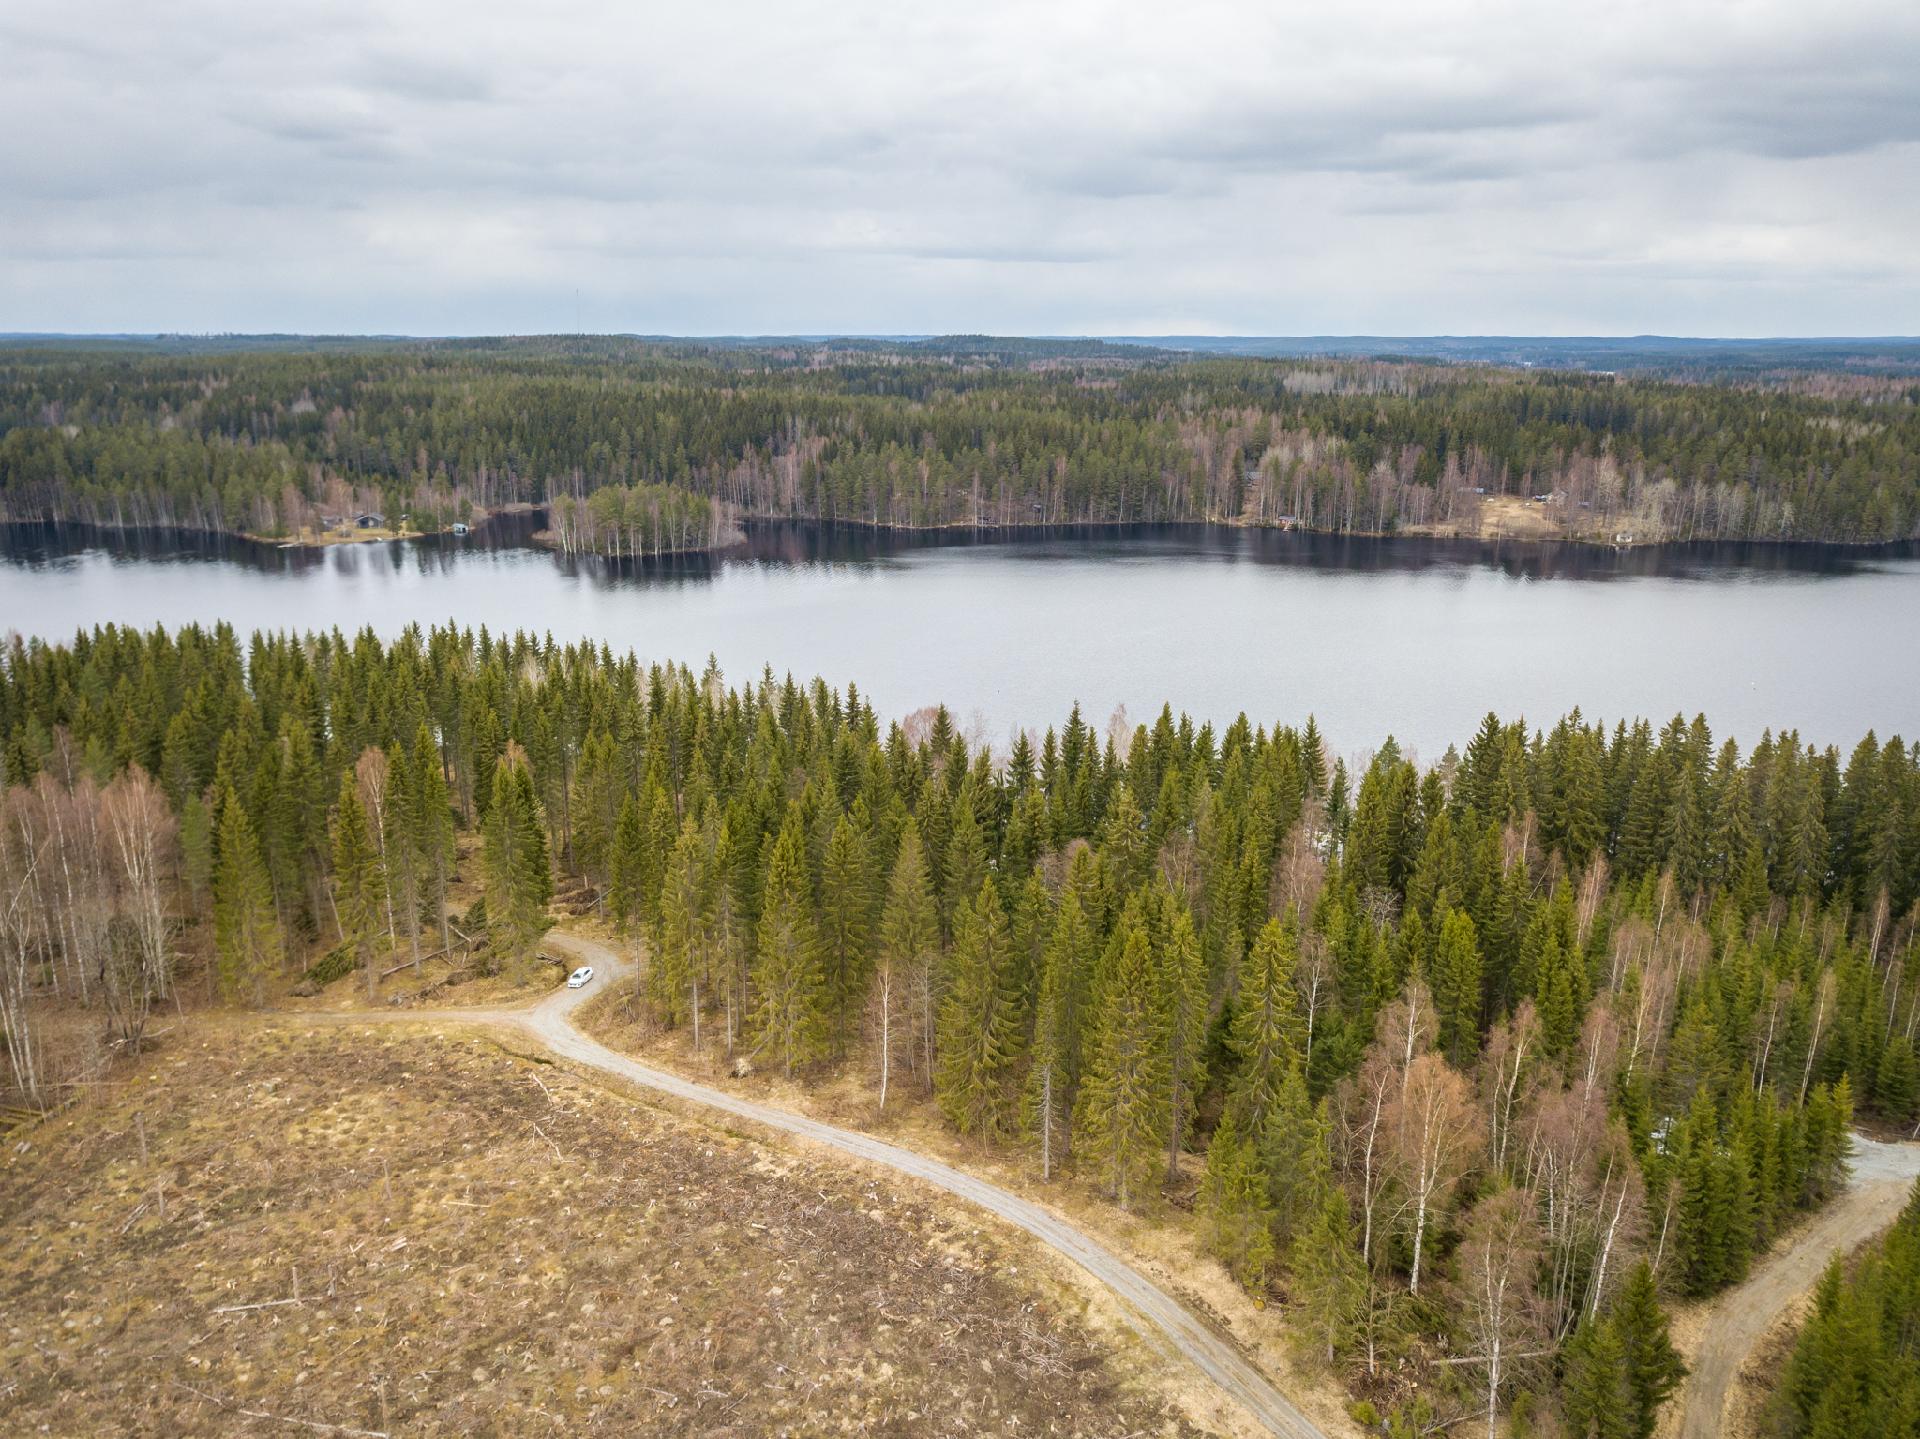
1631	981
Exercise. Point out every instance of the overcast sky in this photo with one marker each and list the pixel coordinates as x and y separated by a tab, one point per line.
910	166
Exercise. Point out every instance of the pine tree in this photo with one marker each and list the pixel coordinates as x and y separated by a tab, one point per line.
246	930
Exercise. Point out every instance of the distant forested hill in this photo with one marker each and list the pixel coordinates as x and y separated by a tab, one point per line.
264	434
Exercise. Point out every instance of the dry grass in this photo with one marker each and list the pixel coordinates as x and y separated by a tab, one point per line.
1518	517
442	1239
1162	1243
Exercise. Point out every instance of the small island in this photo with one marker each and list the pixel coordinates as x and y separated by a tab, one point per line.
640	448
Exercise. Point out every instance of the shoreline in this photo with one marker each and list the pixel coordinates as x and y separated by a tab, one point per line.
1492	542
962	532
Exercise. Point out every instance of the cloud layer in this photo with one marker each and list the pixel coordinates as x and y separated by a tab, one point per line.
738	167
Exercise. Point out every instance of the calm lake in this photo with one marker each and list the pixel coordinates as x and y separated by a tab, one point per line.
1412	638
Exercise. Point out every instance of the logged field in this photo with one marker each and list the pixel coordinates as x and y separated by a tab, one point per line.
351	1231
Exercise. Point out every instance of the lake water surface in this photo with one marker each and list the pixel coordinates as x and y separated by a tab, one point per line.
1417	639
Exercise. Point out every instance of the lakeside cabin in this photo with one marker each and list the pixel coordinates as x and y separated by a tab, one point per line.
371	520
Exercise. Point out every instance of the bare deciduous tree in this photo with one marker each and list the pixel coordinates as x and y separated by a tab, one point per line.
1437	1135
1498	1261
143	834
370	774
19	876
1507	1067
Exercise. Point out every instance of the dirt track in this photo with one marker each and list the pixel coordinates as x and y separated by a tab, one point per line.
551	1022
1883	1176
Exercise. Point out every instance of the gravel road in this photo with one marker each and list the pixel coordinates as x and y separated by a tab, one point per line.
1883	1176
551	1021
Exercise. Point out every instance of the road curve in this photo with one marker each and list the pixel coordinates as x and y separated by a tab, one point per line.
1883	1176
551	1021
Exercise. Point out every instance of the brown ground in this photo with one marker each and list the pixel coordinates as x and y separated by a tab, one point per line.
1511	517
313	536
441	1238
1516	517
1163	1244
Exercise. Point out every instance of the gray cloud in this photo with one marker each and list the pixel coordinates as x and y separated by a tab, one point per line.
747	166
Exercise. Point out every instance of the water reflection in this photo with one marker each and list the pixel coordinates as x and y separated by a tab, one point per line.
803	544
1416	638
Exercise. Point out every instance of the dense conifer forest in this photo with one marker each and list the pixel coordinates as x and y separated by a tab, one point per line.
644	447
1468	1065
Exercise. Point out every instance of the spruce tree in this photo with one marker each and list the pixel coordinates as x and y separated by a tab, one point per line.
359	885
678	960
402	848
626	865
906	995
977	1049
1454	973
196	849
964	860
1048	1099
1235	1213
1180	980
1653	1366
789	987
1267	1028
1123	1110
846	919
519	876
246	930
1595	1392
1329	1277
433	825
1294	1155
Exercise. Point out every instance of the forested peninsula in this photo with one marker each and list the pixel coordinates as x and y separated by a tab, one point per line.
638	447
1471	1066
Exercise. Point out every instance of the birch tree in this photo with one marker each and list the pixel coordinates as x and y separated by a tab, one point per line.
1436	1138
